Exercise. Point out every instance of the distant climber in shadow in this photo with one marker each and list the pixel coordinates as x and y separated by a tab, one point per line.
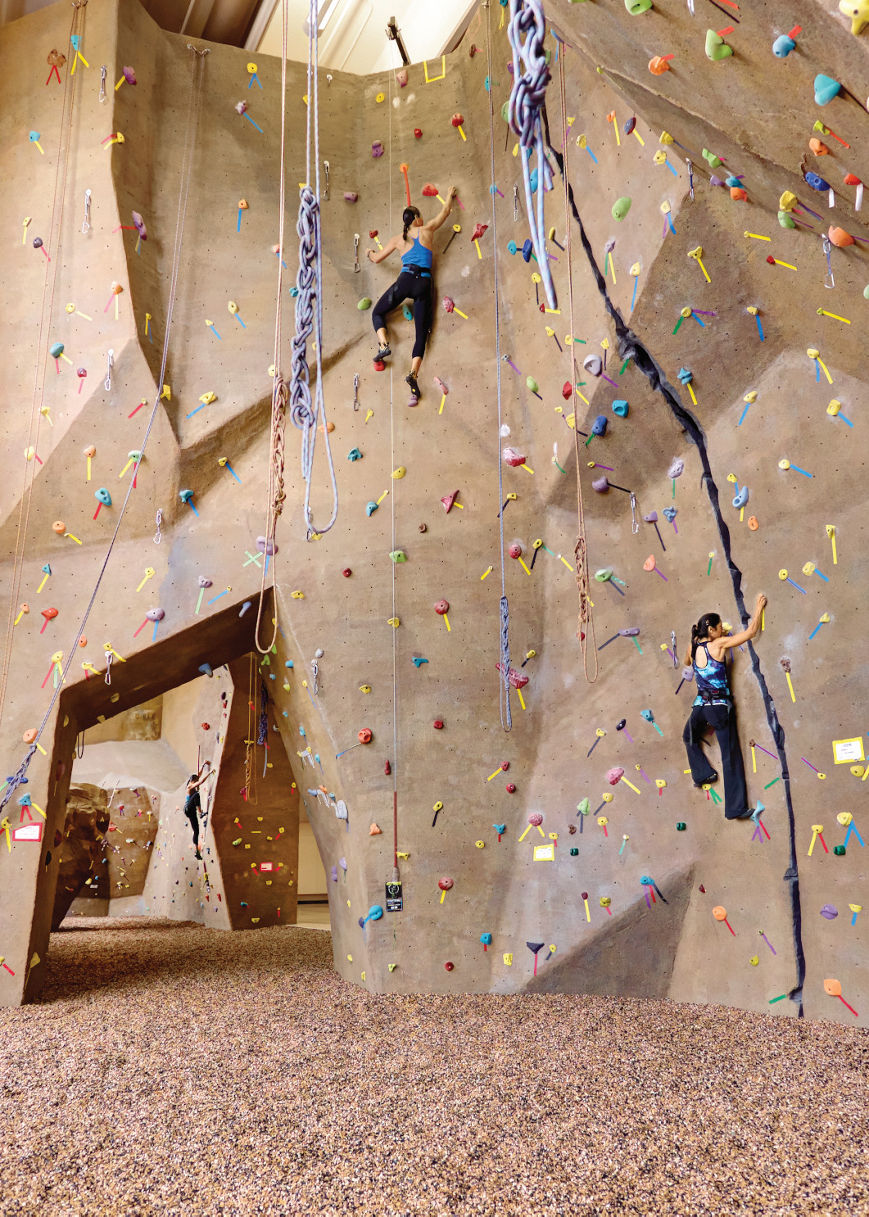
713	708
193	804
414	283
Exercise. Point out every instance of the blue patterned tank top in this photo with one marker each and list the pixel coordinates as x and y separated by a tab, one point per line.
712	686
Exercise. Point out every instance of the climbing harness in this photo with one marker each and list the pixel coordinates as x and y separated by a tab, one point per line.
526	101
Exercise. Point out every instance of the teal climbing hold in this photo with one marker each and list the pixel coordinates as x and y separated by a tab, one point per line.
371	507
825	89
620	407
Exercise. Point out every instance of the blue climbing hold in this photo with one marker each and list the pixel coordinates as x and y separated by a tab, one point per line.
816	182
371	507
826	89
527	250
599	426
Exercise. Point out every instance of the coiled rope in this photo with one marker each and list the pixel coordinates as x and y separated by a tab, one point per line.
306	414
503	605
193	109
527	98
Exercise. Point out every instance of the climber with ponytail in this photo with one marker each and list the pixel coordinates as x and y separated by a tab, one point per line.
414	283
713	709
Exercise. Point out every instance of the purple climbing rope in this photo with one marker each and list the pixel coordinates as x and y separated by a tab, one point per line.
527	97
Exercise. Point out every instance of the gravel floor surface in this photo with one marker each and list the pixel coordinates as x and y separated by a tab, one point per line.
172	1069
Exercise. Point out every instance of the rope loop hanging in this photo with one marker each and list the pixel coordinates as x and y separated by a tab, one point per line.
526	31
308	412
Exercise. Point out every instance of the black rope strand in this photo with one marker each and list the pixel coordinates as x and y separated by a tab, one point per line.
630	346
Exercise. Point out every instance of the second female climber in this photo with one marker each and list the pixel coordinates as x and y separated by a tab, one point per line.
713	708
414	283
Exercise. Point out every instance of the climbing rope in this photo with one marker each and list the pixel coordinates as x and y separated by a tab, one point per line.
392	501
55	232
503	605
305	414
193	109
585	623
527	98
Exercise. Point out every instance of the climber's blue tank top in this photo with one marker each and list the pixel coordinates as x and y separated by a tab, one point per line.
712	686
418	256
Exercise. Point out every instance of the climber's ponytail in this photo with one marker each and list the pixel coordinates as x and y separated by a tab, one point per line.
707	622
407	218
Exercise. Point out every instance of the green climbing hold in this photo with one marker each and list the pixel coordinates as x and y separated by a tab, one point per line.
574	852
866	292
505	111
681	826
363	304
398	555
531	383
786	219
716	47
714	161
621	207
635	7
839	850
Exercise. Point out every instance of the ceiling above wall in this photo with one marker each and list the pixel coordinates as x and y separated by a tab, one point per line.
352	32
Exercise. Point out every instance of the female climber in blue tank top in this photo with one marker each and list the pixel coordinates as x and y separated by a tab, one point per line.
414	283
713	708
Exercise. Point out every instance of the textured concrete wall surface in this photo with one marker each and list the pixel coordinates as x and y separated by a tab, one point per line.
506	884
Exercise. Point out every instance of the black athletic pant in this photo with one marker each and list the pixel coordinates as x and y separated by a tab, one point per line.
193	817
723	721
408	286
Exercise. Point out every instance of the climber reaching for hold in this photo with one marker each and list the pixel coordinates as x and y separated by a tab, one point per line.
414	283
192	803
713	707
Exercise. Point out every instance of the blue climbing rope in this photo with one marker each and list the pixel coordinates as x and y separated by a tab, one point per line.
526	102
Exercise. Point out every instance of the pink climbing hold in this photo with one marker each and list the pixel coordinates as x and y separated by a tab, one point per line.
614	776
449	304
512	457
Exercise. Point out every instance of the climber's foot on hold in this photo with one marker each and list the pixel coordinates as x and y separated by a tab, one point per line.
748	814
198	855
413	384
383	352
707	781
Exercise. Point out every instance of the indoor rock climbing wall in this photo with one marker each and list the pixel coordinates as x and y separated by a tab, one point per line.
722	356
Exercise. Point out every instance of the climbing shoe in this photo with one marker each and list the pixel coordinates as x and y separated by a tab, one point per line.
414	386
382	352
708	782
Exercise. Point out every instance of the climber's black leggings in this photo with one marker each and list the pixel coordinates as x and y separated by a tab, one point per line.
194	824
408	286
